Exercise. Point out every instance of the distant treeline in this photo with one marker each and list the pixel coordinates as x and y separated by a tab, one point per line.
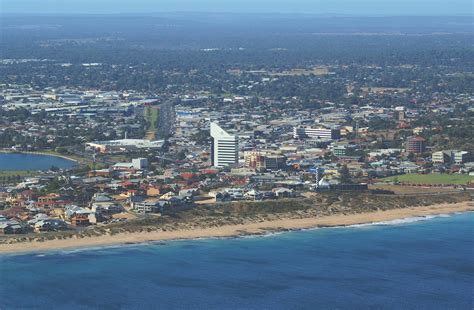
244	40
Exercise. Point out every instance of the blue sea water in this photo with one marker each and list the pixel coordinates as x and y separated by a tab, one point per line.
426	264
24	162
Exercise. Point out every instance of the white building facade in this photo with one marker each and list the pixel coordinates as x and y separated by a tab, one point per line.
225	147
316	133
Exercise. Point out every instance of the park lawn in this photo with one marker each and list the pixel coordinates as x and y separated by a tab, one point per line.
152	114
432	178
15	173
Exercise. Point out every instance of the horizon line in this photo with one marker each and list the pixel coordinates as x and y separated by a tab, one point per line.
328	14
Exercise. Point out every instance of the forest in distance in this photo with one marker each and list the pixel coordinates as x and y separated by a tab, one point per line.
197	51
238	39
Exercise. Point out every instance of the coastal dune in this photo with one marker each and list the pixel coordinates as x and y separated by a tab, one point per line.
253	228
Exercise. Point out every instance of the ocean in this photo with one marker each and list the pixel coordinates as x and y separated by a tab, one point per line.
419	263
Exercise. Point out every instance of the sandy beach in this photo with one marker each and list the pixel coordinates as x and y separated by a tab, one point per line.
237	230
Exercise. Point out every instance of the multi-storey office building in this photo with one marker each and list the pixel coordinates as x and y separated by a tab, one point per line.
225	147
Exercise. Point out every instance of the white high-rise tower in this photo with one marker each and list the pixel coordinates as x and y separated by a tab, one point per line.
225	147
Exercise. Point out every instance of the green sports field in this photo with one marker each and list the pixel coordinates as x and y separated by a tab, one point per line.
433	178
152	114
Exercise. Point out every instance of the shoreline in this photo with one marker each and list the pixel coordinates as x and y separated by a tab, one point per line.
259	228
38	153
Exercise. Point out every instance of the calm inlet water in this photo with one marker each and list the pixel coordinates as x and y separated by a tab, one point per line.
424	265
17	161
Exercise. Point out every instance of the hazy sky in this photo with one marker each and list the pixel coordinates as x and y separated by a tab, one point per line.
353	7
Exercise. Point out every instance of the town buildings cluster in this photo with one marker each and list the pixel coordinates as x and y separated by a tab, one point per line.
214	149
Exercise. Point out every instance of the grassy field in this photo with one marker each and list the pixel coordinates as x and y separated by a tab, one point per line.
15	173
302	72
152	114
433	178
75	157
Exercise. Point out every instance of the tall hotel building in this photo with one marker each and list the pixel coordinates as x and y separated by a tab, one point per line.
225	147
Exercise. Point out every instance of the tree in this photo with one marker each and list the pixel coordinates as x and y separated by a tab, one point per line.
61	150
181	155
344	175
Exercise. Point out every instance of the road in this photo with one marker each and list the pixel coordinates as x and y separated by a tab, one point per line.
166	119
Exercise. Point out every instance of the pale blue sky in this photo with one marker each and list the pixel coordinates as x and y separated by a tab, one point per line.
352	7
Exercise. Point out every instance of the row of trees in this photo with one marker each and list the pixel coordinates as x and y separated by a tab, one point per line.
9	179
